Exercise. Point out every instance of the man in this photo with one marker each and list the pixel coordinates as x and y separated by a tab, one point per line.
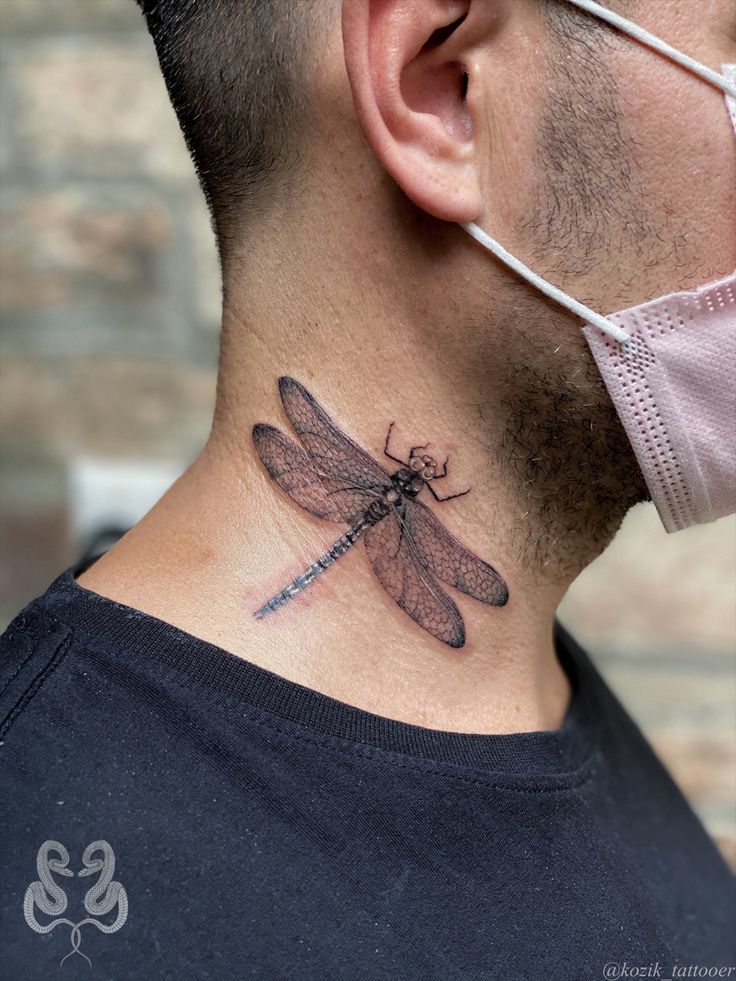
401	766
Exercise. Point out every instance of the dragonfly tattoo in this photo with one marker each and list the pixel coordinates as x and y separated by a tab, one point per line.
409	549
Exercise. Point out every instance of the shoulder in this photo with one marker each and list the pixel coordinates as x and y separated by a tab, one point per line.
31	647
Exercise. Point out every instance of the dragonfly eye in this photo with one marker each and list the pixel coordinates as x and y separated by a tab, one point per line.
428	461
416	463
427	472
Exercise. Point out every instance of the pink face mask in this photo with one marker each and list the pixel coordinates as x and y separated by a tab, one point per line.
668	364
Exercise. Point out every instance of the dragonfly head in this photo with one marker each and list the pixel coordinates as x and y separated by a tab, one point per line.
423	465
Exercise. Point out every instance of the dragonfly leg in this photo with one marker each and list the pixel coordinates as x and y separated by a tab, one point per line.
439	476
449	497
422	447
385	446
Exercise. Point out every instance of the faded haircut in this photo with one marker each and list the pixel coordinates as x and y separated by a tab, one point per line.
234	71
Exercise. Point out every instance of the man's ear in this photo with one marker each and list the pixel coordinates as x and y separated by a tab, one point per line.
413	67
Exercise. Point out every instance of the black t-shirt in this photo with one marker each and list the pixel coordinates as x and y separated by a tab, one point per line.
244	826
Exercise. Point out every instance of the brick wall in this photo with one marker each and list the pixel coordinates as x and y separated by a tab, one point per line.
110	289
110	303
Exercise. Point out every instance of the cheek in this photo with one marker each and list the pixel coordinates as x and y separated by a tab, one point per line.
685	157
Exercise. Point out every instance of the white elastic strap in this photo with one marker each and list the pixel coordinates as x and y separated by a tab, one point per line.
564	299
573	305
629	27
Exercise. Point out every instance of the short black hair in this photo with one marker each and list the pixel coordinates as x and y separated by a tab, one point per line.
234	71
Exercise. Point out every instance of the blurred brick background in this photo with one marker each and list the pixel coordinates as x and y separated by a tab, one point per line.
110	309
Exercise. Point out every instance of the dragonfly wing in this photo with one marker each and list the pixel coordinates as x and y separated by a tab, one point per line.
332	451
294	471
415	589
449	559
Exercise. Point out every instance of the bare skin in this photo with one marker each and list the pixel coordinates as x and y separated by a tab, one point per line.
360	285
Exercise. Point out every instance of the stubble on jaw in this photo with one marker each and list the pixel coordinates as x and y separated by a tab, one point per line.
564	449
563	445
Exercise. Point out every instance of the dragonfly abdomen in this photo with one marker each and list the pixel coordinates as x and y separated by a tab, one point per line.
375	513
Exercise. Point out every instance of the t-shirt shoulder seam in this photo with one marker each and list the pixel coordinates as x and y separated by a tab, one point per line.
18	701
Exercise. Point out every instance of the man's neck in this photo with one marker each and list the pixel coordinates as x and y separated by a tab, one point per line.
535	439
222	540
226	538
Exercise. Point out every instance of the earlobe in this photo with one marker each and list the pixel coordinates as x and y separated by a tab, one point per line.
411	64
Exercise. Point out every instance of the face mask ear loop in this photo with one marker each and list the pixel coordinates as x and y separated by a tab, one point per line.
724	82
573	305
652	41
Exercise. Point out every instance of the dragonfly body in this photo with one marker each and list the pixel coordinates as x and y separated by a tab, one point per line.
409	549
340	547
404	482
